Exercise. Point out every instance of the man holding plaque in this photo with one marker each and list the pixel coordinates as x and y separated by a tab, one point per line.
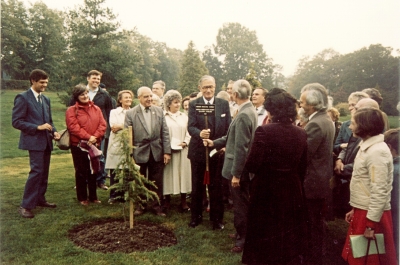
206	122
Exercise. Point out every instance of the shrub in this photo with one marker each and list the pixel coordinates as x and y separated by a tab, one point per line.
343	109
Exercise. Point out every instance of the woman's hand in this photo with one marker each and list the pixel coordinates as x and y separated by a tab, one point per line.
92	140
369	233
183	144
349	216
116	128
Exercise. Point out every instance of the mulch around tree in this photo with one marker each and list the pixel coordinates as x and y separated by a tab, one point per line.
109	236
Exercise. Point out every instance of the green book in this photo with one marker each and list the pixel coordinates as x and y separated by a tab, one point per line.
359	245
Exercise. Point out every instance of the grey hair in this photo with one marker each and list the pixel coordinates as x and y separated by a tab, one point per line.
242	88
170	96
358	95
162	83
206	77
302	115
231	82
141	90
155	100
317	96
223	95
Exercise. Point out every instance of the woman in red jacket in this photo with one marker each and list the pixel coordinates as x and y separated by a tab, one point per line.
86	127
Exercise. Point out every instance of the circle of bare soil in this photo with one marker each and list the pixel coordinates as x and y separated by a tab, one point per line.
108	236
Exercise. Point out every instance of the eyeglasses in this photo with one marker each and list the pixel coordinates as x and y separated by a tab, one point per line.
207	87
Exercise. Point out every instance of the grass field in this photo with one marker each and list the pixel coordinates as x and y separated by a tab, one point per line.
43	239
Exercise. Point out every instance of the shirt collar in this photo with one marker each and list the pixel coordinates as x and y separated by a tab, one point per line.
364	145
312	115
92	91
143	107
243	104
206	101
36	94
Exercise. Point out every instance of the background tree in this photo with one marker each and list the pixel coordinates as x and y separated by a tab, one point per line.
215	68
94	44
374	66
240	50
15	40
192	69
168	68
48	44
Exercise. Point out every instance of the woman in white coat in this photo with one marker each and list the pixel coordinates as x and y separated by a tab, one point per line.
177	173
370	187
117	118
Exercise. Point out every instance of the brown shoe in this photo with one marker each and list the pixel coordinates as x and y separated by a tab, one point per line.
96	201
84	203
26	213
237	249
47	204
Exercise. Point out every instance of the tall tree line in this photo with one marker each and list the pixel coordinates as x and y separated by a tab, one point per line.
67	44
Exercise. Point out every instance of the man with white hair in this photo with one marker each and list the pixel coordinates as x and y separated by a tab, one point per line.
320	133
151	139
238	142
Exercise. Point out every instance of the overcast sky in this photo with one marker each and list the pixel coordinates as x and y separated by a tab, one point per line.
287	29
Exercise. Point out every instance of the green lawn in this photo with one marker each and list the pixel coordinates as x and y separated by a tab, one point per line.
43	239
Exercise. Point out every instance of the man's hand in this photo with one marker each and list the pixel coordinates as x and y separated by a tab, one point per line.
208	142
205	134
56	136
343	146
45	126
183	144
339	166
235	182
167	158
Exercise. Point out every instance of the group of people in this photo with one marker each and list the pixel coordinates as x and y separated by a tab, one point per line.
284	163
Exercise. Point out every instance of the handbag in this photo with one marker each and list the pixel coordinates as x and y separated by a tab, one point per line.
361	246
63	143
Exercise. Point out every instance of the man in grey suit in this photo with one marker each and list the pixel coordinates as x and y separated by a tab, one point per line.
320	133
238	142
151	139
32	116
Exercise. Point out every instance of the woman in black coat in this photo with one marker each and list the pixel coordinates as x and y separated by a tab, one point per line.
277	214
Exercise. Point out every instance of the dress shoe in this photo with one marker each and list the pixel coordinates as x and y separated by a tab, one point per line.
237	249
217	225
102	186
96	201
47	204
195	222
84	203
26	213
159	211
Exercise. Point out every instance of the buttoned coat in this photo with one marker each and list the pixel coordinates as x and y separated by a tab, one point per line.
238	141
320	132
27	115
157	141
218	125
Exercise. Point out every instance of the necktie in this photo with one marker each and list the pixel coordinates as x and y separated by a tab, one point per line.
147	109
40	100
208	103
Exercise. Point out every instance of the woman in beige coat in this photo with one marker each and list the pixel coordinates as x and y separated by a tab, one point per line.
370	188
177	173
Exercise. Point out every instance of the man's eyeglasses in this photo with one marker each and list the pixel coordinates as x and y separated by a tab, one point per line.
207	87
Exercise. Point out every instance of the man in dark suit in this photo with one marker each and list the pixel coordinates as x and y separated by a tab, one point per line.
238	142
151	140
32	116
217	127
320	132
